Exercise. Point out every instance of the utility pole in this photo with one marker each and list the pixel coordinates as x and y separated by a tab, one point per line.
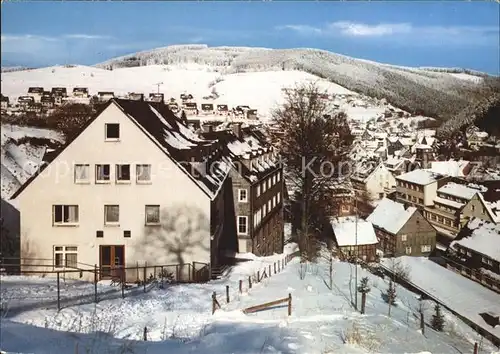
158	86
356	254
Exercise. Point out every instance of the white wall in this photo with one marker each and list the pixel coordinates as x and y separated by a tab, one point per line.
430	192
380	179
185	206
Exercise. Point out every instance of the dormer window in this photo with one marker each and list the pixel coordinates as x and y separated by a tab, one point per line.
112	131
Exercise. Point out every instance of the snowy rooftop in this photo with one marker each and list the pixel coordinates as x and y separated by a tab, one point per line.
458	190
345	230
421	177
448	202
449	168
484	238
390	215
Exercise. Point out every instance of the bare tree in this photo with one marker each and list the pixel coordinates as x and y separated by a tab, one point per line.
313	140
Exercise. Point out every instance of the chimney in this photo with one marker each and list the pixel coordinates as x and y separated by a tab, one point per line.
237	129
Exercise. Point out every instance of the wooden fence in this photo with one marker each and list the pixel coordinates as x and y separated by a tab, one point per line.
474	274
414	288
266	272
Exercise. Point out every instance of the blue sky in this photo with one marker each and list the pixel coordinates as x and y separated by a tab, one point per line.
440	33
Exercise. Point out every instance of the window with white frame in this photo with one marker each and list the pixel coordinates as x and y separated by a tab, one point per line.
123	173
274	201
65	214
279	197
274	180
102	173
264	210
111	214
264	187
408	250
269	183
65	257
82	173
242	196
487	261
279	176
152	214
242	225
269	205
425	248
143	173
404	237
258	190
112	131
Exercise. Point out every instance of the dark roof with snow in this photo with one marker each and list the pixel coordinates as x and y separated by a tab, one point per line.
169	133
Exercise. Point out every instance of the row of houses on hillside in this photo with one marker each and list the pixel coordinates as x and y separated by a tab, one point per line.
140	187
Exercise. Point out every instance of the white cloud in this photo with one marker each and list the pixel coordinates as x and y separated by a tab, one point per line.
477	35
27	37
85	36
364	30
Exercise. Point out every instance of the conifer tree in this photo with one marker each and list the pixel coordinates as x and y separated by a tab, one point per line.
437	321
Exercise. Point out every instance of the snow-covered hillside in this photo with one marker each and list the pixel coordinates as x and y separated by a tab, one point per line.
259	90
22	151
179	317
420	89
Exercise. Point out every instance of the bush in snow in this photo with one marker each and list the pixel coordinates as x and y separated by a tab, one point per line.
437	321
364	289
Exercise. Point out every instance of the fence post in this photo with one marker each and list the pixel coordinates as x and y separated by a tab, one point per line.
137	271
258	276
279	268
95	283
269	270
145	334
241	286
227	294
177	273
123	283
475	348
289	304
274	267
58	293
144	275
154	272
214	301
249	282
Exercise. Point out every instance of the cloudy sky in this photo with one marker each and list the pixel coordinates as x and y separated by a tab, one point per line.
444	33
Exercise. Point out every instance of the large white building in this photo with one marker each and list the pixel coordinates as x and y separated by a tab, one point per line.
130	189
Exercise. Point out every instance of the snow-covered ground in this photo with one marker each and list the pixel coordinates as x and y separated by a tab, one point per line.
459	293
20	160
179	319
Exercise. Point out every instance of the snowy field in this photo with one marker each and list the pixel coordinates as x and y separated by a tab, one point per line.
259	90
179	317
20	160
454	290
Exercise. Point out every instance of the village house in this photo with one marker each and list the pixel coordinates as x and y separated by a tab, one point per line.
36	93
105	96
25	101
207	109
402	231
135	186
222	109
375	178
448	214
4	102
157	97
477	247
258	189
135	96
453	168
82	92
191	108
354	238
59	92
47	102
251	114
419	187
342	200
